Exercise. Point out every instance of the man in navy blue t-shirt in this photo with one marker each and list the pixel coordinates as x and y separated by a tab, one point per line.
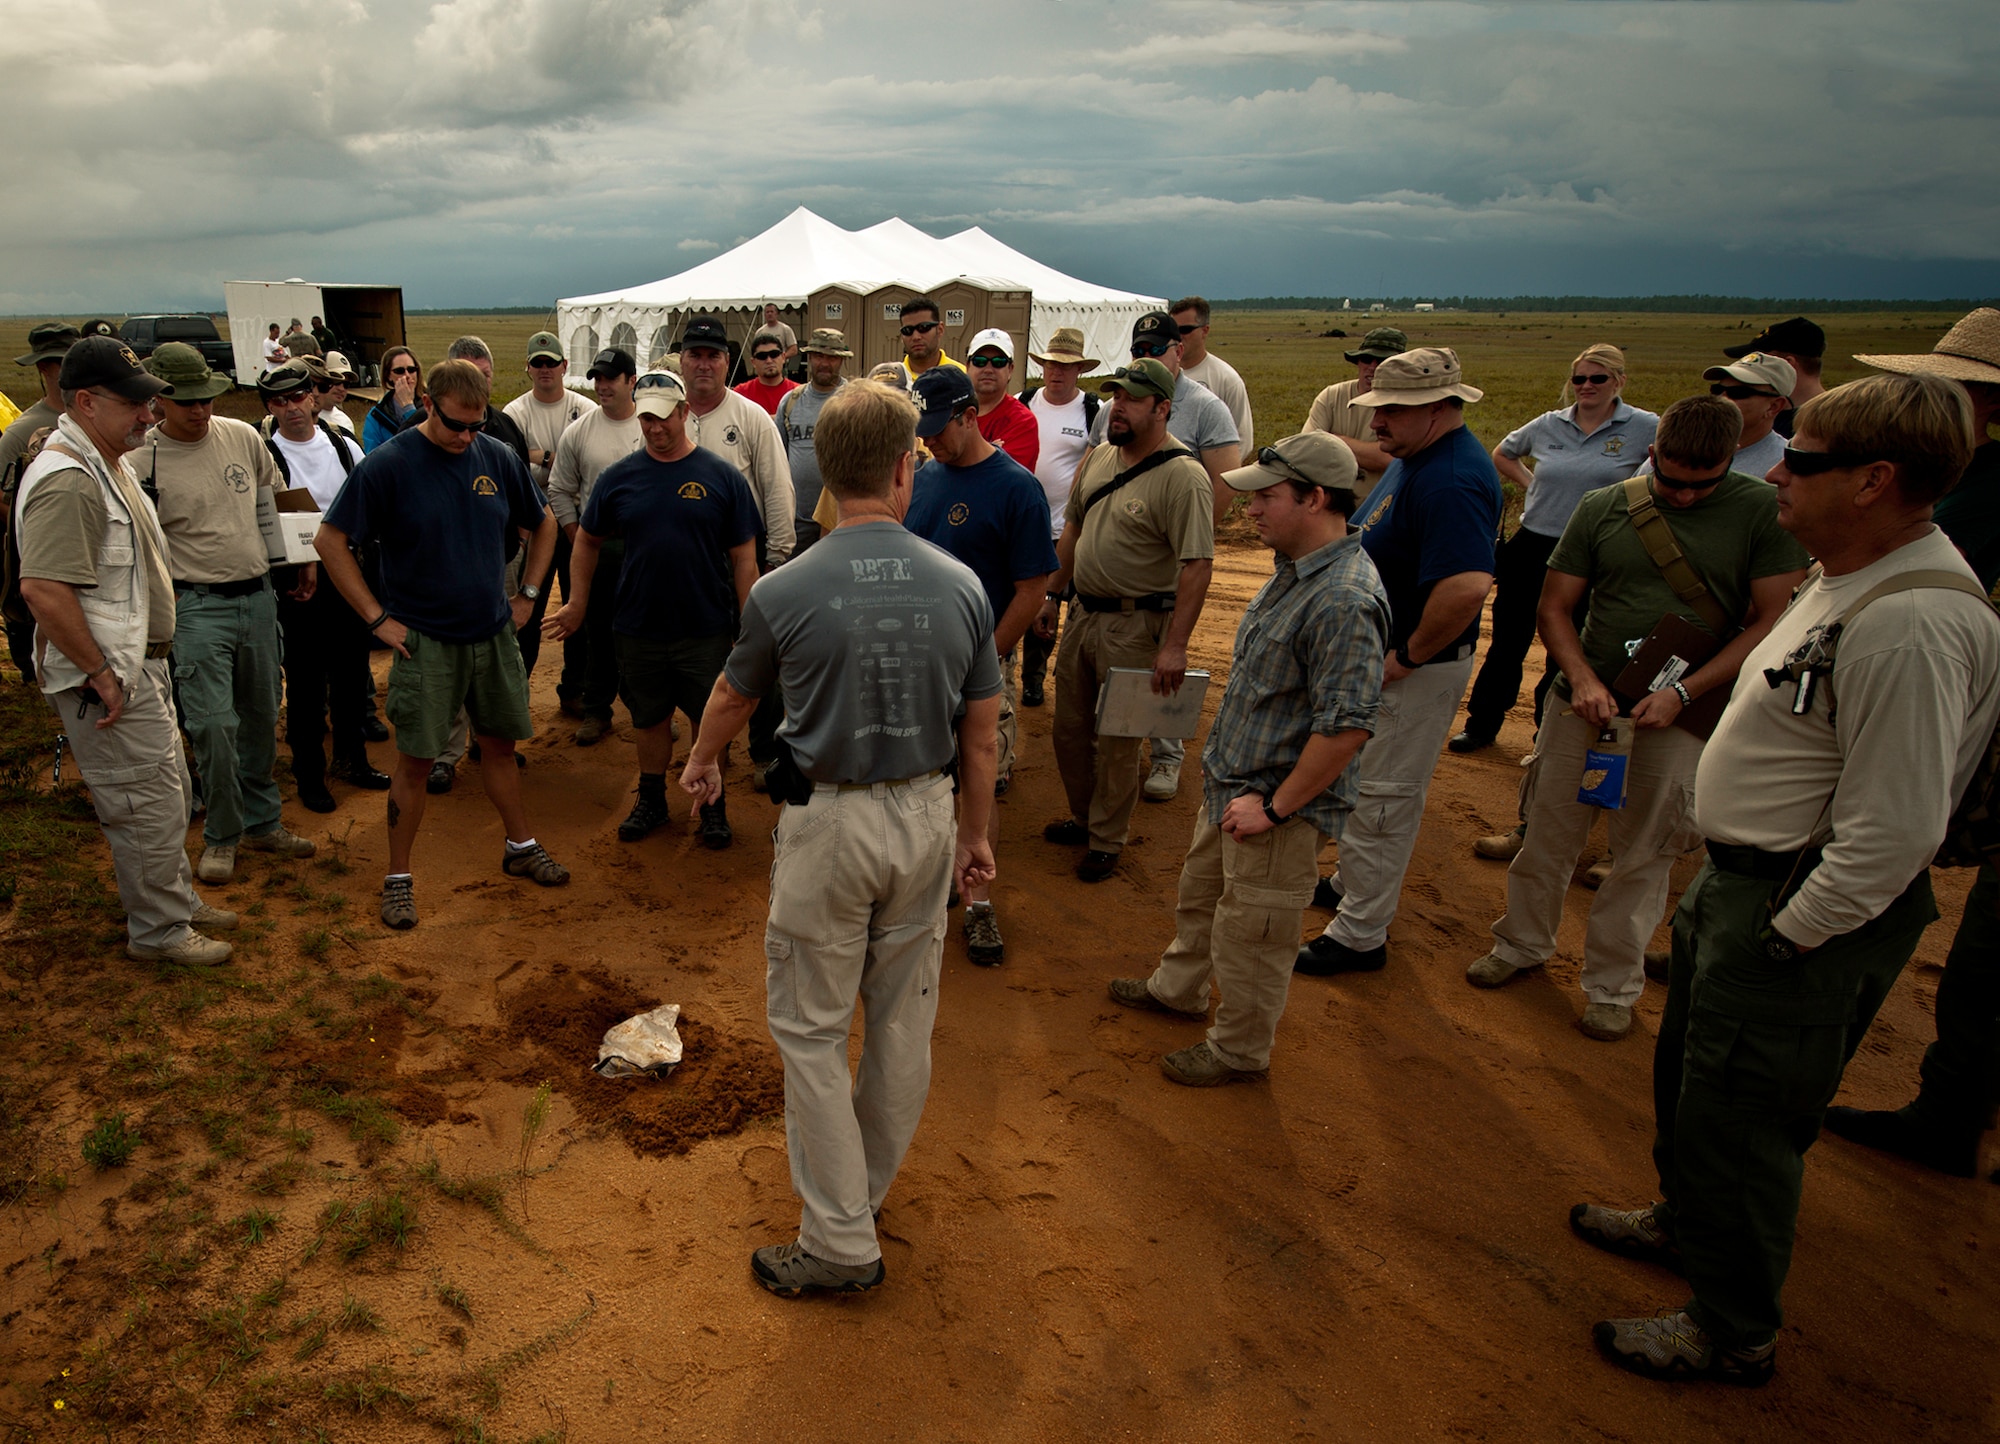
440	500
689	525
1430	525
986	509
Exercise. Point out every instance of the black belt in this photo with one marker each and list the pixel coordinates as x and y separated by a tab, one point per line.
1757	863
157	650
1151	602
248	588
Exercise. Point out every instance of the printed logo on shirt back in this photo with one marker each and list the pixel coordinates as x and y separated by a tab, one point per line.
882	569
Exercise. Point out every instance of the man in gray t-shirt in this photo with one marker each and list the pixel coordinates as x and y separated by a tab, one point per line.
826	352
878	639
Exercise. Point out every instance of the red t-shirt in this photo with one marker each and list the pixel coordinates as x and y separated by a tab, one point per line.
768	396
1012	427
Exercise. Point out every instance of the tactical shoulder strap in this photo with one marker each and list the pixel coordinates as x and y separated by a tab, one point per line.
1131	473
1658	539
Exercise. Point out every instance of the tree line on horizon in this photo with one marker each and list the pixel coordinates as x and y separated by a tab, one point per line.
1698	304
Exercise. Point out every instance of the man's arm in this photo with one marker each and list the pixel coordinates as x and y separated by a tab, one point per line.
727	713
1051	613
59	615
345	573
775	497
978	768
1321	761
1449	610
1555	615
535	571
1368	454
1215	461
568	620
1768	597
565	488
1021	612
742	570
1170	662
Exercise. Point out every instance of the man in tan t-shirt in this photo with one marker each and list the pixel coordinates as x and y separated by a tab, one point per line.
1333	410
1141	553
205	472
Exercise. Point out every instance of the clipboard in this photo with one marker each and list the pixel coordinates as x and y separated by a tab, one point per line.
1128	707
1673	649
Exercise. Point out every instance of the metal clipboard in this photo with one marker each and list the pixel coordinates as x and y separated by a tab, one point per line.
1128	707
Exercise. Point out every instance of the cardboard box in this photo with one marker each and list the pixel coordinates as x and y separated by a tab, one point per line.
288	520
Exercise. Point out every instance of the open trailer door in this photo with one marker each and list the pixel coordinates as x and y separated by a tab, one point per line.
365	320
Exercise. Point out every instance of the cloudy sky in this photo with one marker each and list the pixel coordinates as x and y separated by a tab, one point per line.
507	152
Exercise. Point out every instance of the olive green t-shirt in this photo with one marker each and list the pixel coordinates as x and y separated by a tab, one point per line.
1133	542
63	525
208	499
1731	538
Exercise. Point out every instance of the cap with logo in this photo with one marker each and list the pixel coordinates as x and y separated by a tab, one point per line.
942	393
1773	373
1317	458
1969	351
543	344
1065	349
1379	345
1155	326
186	373
285	380
612	361
48	342
992	338
338	366
1796	337
99	328
828	342
705	331
106	363
1144	377
659	393
1417	378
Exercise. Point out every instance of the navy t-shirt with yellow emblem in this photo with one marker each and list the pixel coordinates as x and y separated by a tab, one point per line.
678	520
442	523
992	516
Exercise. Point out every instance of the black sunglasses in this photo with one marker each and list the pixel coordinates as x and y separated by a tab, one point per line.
1675	483
652	382
996	362
1739	393
1813	463
917	328
1156	350
475	427
322	387
542	363
765	355
404	370
1594	380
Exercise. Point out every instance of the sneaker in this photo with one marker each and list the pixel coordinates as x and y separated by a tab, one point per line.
786	1268
1323	957
1659	964
213	920
1134	993
1606	1022
1899	1132
646	814
1326	897
983	943
1031	695
399	902
1502	847
1493	971
1599	871
1470	741
218	862
1095	866
443	774
192	951
715	831
1673	1346
1198	1067
593	731
283	843
1628	1232
1066	833
535	864
1162	782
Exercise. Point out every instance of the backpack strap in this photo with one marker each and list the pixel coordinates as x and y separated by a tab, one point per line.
1658	539
1091	401
1910	582
1131	474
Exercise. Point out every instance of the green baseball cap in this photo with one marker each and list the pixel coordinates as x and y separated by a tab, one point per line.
182	367
1144	377
544	343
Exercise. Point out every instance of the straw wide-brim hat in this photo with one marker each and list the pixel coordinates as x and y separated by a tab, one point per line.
1970	351
1419	377
1066	349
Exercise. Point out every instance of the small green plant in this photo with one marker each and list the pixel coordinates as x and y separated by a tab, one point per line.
316	943
314	1340
366	1394
109	1144
455	1298
357	1318
533	1118
386	1219
257	1224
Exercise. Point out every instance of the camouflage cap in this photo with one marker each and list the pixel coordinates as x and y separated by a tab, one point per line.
1380	344
827	342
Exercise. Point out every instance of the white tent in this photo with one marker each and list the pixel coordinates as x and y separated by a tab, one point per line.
803	253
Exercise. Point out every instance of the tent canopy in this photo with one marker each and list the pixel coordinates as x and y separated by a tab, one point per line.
804	253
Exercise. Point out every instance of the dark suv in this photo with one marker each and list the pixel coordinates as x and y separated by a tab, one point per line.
143	333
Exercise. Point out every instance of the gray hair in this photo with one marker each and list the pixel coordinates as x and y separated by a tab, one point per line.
469	348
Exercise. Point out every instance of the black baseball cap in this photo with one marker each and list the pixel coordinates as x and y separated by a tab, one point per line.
49	341
107	362
612	361
1796	337
941	393
1155	326
705	331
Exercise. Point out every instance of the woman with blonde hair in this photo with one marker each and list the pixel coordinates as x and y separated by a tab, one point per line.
1594	440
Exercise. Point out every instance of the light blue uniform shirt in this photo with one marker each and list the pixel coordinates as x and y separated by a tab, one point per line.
1568	463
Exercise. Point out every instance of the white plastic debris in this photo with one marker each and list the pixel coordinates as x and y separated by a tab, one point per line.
648	1044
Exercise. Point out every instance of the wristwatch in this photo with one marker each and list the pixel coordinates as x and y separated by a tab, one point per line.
1777	947
1271	813
532	592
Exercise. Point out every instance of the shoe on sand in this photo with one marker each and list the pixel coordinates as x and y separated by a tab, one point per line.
1134	993
1501	847
279	841
983	943
399	902
1673	1346
1599	871
1606	1022
1628	1232
214	920
1493	971
194	951
218	862
1198	1067
535	864
786	1268
1162	782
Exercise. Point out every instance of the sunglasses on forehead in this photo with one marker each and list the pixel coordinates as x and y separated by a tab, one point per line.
1813	463
918	328
650	382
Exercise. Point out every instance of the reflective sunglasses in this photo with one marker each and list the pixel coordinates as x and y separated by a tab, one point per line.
982	362
1683	484
919	327
1812	463
1598	379
1157	350
651	382
542	363
765	355
404	370
475	427
1739	393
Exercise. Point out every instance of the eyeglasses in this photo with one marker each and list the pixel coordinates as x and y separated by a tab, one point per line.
765	355
543	363
1597	379
996	362
461	427
1740	393
404	370
1190	330
918	328
1812	463
1681	483
1155	351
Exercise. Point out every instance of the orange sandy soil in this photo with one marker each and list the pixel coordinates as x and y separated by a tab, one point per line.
1372	1245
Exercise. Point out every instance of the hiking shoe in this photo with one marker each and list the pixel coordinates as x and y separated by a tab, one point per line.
279	841
1673	1346
1470	741
1599	871
536	865
1066	833
1323	957
786	1268
1198	1067
646	814
982	936
213	920
443	774
1899	1132
1493	971
1134	993
193	951
399	902
1162	782
218	862
1326	896
593	731
1606	1022
1658	964
715	831
1095	866
1501	847
1630	1233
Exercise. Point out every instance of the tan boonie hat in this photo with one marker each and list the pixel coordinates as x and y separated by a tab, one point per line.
827	342
1970	351
1417	378
1065	349
1317	458
1758	368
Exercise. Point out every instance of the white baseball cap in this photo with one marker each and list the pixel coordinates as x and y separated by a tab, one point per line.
996	338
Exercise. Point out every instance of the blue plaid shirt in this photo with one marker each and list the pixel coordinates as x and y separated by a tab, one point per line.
1308	661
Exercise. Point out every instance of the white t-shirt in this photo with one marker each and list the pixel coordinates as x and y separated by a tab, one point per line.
586	447
1064	436
543	423
271	349
338	419
1221	378
314	466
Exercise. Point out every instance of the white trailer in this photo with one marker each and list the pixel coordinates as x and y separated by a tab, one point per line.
367	320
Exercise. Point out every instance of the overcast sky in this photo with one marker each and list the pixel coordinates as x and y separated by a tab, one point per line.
504	152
